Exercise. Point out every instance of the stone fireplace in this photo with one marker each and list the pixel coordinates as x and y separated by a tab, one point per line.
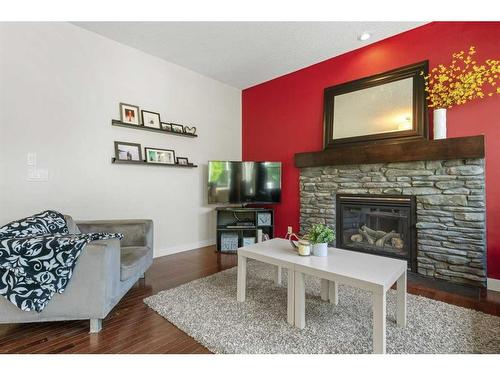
377	224
448	226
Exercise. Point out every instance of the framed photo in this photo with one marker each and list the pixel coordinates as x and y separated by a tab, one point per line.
159	156
151	119
176	128
166	126
128	151
182	161
129	114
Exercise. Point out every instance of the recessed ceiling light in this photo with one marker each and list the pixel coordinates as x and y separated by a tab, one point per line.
364	36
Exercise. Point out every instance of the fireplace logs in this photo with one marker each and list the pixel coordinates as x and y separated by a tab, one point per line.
357	238
378	237
397	242
382	240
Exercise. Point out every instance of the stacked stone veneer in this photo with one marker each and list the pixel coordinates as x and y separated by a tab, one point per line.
450	208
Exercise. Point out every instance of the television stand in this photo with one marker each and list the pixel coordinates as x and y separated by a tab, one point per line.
238	226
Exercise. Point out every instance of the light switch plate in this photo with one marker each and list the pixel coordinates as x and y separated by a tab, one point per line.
37	175
31	159
43	175
31	176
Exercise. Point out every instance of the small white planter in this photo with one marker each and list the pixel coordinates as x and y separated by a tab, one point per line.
440	123
320	249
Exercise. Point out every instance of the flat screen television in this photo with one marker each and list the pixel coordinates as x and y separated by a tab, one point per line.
244	182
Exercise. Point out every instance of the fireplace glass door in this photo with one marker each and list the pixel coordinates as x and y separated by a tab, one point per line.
376	225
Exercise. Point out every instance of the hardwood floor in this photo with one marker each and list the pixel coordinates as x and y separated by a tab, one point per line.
134	328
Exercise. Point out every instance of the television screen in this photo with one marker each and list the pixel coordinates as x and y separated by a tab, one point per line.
244	182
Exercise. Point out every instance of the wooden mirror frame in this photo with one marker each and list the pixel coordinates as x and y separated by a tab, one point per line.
419	124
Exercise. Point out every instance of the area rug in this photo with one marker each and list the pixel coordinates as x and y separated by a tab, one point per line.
206	309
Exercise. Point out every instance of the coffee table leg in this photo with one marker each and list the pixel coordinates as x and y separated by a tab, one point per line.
277	275
379	310
291	297
333	293
401	301
242	278
300	301
324	289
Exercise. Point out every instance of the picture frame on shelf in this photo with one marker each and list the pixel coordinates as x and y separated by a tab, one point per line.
177	128
264	219
128	151
166	126
151	119
129	114
247	241
182	161
159	155
190	130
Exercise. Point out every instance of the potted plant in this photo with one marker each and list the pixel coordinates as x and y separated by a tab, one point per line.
319	236
458	83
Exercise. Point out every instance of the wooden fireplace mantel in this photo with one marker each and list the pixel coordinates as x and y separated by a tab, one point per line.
443	149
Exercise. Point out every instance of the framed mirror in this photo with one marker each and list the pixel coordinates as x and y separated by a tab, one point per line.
385	107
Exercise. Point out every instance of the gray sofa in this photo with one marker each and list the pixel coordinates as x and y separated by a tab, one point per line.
104	272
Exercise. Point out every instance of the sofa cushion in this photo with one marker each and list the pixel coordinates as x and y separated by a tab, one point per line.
133	260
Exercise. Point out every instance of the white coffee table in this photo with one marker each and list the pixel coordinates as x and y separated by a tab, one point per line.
369	272
277	252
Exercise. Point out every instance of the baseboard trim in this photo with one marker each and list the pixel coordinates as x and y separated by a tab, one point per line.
184	247
493	284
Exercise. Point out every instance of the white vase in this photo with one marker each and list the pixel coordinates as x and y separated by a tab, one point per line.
440	123
320	249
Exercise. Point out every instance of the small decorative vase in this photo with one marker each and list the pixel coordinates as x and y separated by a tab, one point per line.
302	246
440	123
259	235
320	249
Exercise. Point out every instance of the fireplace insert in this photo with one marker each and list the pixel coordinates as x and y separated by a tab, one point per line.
378	224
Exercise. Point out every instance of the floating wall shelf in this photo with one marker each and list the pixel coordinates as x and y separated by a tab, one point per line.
115	161
141	127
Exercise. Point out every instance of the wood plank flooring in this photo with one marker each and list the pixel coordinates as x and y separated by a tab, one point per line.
134	328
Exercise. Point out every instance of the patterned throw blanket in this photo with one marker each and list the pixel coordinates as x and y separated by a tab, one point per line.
37	258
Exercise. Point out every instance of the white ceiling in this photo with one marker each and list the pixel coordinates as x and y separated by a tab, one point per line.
243	54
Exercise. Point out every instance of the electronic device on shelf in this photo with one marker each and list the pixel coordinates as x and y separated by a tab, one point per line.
242	224
244	182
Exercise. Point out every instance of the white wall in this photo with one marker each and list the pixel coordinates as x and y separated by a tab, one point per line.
60	86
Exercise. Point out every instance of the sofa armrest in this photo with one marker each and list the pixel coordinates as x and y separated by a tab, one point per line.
95	283
135	232
91	293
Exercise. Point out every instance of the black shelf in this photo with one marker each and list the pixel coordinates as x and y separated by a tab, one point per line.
240	209
142	127
238	228
115	161
226	218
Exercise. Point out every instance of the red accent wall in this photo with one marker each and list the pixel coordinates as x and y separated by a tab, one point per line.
284	116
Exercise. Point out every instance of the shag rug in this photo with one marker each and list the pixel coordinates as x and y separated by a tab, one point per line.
206	309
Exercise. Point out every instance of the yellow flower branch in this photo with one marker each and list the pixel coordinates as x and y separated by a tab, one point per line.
461	81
